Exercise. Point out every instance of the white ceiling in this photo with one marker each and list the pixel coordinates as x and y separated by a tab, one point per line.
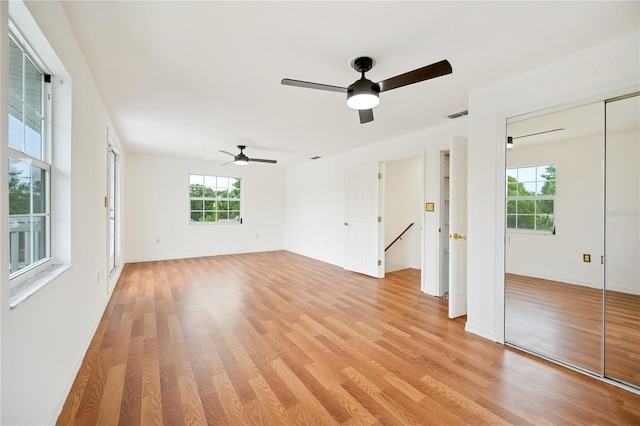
190	78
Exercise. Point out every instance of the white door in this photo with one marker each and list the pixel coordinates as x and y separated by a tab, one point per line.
362	222
458	228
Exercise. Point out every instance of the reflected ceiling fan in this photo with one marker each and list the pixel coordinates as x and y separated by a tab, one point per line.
510	139
363	94
242	160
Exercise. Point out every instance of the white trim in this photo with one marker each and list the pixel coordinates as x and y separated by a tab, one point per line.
35	282
22	42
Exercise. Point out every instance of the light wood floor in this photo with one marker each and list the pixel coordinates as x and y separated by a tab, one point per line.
565	322
276	338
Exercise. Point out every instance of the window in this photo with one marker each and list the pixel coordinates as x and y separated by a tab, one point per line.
530	197
215	199
29	163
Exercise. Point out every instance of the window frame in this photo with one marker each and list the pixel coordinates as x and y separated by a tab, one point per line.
535	197
20	279
240	200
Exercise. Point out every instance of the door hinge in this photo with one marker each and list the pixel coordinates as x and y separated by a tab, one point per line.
379	175
106	202
379	218
379	262
602	260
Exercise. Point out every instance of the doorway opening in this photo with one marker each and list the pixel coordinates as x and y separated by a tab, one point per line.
403	188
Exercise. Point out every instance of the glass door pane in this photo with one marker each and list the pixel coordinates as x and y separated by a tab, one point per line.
622	266
111	201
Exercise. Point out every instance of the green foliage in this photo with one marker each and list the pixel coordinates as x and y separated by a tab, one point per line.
524	211
549	187
516	189
215	204
19	194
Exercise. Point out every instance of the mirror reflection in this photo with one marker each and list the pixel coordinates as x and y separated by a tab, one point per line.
572	284
622	230
555	197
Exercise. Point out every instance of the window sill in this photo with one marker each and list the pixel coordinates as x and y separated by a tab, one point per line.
219	222
35	283
529	232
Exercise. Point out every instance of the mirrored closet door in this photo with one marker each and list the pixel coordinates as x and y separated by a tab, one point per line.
622	242
572	283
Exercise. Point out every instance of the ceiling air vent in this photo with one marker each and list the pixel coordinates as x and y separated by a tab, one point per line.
459	114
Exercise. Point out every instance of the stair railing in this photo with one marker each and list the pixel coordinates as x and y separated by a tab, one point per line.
399	236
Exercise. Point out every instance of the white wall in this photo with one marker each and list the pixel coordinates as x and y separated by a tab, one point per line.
579	214
403	200
577	78
45	337
315	196
157	210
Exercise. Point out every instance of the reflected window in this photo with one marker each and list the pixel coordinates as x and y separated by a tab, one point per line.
531	193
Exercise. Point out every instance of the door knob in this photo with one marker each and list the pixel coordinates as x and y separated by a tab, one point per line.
457	236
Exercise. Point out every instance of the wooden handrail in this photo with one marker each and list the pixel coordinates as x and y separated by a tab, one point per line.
399	236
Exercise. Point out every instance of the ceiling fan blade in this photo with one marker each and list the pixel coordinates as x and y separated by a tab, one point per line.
227	152
262	160
309	85
366	115
437	69
228	162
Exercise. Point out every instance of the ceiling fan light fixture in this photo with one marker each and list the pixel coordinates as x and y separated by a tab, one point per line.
363	101
241	162
363	94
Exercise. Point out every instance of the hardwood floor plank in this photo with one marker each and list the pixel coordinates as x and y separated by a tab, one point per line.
476	413
269	401
229	399
90	404
313	411
112	395
203	372
277	338
171	404
86	371
280	390
359	414
131	403
151	402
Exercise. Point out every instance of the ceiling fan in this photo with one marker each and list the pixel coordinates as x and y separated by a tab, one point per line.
510	139
363	94
242	160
